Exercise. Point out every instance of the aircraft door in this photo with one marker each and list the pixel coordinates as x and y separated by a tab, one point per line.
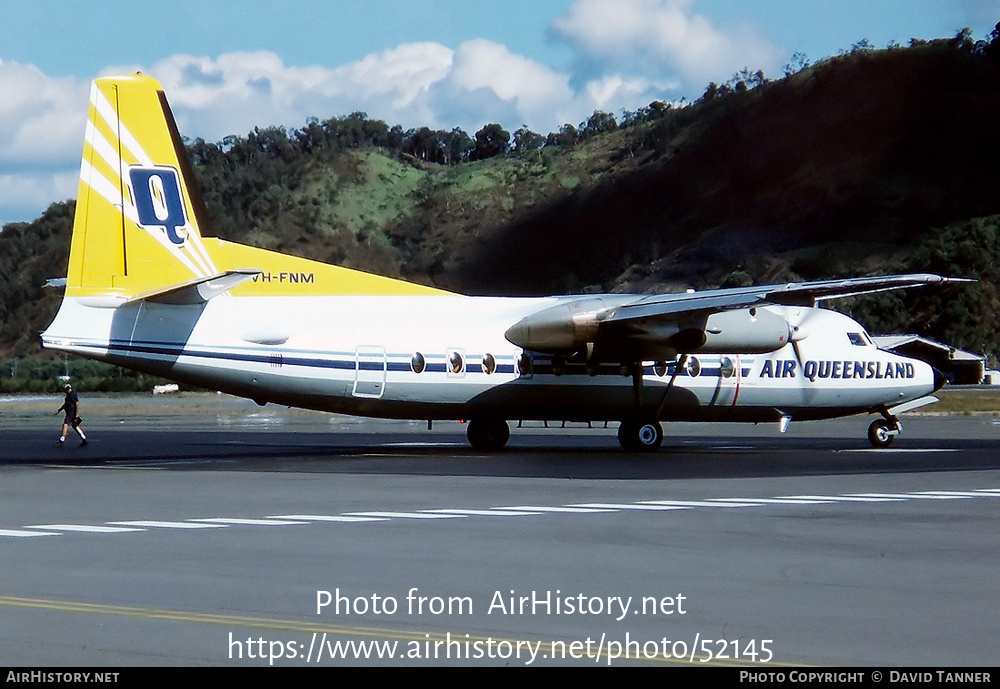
369	371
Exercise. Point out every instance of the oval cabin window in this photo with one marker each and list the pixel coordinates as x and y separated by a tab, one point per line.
418	363
489	364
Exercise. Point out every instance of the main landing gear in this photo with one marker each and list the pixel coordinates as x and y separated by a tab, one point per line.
488	435
640	435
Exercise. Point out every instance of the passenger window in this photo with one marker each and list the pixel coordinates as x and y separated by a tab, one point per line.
693	367
418	363
726	367
456	362
524	364
489	364
857	339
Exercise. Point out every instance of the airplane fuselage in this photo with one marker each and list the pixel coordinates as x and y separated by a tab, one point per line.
446	357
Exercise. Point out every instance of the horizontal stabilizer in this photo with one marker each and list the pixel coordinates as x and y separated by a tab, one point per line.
198	290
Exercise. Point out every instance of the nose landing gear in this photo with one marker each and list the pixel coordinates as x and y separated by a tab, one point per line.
883	431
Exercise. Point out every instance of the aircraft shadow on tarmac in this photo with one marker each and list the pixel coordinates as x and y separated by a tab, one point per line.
682	457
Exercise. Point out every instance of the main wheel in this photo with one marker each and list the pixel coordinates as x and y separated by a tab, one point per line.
640	436
879	433
488	435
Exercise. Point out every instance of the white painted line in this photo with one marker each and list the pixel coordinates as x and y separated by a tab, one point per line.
776	501
843	498
956	493
628	506
170	525
988	490
405	515
909	496
700	503
569	510
327	518
83	528
483	513
14	533
900	450
248	522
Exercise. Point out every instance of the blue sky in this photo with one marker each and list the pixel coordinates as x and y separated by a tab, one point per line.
230	66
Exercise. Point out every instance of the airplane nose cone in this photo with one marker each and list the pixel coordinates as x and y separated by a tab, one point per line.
939	379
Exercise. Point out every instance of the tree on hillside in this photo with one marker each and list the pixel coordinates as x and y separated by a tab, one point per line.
526	140
491	141
598	123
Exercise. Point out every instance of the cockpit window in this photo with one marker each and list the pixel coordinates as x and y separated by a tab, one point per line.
858	339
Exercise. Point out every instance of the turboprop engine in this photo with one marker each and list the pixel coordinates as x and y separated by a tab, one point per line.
577	325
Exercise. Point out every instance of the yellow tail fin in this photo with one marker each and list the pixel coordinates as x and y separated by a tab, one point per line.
138	219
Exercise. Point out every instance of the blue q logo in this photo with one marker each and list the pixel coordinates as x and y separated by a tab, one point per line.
158	200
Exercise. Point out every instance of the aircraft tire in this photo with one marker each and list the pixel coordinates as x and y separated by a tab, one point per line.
640	435
488	435
879	435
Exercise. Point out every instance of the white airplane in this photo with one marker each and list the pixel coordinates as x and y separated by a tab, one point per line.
147	291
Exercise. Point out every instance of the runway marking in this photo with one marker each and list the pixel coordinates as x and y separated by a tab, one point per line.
328	518
113	527
406	515
901	450
844	498
913	496
777	501
83	528
628	506
249	522
570	510
169	525
17	533
700	503
494	512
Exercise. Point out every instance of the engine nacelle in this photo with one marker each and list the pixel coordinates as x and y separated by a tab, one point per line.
561	328
753	331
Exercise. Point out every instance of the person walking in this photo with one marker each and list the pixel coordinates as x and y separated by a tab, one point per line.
71	405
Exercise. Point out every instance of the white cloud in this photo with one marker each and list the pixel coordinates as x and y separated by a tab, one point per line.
412	84
534	90
659	38
235	92
40	116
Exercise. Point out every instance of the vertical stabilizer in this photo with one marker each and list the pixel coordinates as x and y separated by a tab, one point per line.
137	225
139	215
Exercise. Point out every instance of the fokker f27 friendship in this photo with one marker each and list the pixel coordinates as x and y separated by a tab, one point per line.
146	290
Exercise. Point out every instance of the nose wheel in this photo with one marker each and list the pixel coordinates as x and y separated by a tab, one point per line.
637	435
882	432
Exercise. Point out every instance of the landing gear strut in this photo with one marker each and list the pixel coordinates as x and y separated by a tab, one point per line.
488	435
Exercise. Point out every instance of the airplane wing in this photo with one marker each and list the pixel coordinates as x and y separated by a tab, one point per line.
661	325
789	294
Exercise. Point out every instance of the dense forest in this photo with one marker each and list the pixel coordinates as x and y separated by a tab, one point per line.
873	161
